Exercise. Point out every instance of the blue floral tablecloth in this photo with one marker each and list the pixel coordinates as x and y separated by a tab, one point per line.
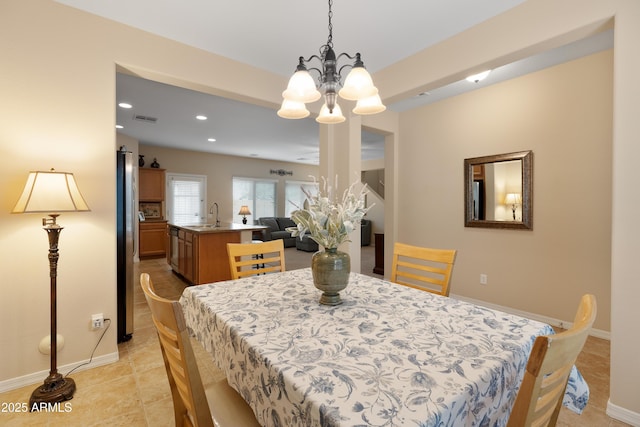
388	356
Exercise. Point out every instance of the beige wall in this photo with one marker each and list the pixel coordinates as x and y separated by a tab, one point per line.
57	109
533	27
563	114
220	171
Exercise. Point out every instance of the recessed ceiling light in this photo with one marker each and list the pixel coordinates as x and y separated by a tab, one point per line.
119	127
211	140
478	77
201	117
125	105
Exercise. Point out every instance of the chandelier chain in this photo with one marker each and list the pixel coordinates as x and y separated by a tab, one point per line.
330	38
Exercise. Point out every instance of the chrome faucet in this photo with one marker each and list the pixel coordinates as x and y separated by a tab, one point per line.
217	215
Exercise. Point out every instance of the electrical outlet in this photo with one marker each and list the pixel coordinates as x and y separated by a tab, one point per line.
97	321
483	279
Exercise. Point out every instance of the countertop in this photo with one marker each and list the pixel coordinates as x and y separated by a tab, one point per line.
223	228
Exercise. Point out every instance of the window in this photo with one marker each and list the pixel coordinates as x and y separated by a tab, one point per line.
186	198
258	195
295	197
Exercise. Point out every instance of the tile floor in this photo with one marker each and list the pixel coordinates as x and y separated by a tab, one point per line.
134	391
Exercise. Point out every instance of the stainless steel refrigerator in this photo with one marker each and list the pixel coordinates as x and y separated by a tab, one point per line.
126	211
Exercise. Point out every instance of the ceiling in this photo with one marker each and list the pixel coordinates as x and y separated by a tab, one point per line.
271	36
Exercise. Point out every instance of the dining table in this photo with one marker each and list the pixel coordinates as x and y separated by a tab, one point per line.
389	355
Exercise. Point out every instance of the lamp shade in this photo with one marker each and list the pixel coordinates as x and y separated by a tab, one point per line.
244	210
330	118
370	105
512	199
358	85
50	192
293	110
301	88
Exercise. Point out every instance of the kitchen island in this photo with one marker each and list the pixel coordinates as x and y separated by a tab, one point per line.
198	253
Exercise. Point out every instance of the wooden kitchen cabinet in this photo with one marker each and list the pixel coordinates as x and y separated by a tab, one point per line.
152	231
211	262
202	257
185	254
199	253
151	185
153	236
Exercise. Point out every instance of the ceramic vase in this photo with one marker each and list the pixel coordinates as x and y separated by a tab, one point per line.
330	270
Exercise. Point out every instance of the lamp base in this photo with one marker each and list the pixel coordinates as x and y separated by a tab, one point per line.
55	389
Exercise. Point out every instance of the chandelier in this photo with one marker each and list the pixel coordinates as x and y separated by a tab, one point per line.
358	86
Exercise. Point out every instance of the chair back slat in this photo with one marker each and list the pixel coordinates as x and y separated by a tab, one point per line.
249	259
426	269
550	363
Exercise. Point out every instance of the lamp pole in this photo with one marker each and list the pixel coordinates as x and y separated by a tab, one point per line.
56	388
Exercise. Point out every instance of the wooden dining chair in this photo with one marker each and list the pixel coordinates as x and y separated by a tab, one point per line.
422	268
218	405
552	357
248	259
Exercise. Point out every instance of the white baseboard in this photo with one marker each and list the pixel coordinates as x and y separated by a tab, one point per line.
39	377
623	415
598	333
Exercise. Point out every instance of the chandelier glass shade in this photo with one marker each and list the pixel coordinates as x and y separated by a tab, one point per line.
358	85
370	105
293	110
330	117
302	89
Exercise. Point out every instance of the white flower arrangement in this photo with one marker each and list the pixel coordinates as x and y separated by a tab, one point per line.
327	220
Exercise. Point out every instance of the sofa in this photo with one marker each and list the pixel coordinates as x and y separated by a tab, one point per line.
277	229
308	245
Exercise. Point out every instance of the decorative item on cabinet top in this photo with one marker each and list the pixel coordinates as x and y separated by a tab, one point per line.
151	210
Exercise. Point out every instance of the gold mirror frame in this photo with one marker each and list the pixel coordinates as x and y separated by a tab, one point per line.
527	191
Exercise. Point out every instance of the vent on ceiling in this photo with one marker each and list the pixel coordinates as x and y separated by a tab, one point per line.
146	119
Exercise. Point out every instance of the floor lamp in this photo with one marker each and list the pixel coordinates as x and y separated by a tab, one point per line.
51	192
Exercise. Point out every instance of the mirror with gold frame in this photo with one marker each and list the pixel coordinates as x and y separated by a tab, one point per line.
498	191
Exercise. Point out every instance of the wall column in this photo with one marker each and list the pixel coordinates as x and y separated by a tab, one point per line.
625	233
340	155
